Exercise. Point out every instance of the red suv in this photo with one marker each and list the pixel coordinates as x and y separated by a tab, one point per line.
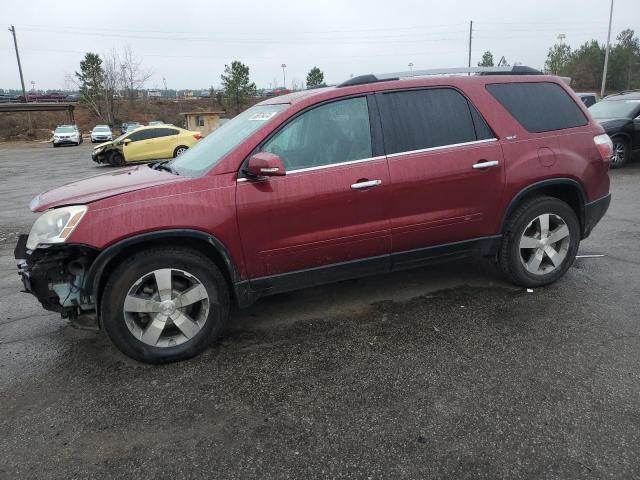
374	175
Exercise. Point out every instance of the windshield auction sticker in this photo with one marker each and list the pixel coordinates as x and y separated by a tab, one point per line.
262	116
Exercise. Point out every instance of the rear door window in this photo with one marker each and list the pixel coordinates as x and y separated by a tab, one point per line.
165	132
538	106
434	117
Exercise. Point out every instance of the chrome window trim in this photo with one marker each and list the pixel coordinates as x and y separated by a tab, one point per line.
442	147
370	159
329	165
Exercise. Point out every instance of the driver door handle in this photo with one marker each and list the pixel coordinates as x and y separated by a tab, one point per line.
366	184
486	164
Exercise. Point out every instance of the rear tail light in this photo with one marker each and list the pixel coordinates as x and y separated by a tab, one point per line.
198	136
604	145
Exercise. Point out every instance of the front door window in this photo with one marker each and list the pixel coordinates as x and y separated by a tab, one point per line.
337	132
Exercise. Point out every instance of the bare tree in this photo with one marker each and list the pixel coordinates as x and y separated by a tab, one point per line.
113	83
134	76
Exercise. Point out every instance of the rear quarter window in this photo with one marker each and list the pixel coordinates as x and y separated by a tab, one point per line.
538	106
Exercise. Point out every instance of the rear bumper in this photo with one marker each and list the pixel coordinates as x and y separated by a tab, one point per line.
593	213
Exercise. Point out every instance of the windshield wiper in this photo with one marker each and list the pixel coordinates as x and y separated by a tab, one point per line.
162	165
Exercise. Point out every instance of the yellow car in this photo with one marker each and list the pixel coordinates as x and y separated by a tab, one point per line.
144	144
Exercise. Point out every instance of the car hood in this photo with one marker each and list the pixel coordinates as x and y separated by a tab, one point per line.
103	186
109	143
610	124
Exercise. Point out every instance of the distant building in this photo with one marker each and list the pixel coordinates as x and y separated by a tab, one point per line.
203	122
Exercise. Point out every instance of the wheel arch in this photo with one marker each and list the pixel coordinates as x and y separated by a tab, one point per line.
108	259
566	189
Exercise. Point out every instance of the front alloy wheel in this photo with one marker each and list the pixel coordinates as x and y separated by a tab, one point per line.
166	307
164	304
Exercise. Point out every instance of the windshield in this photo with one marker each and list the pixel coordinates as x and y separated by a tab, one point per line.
208	152
614	108
65	130
101	129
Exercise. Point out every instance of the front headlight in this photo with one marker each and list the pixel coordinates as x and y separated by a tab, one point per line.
55	225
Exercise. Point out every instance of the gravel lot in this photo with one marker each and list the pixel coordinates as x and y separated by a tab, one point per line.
444	372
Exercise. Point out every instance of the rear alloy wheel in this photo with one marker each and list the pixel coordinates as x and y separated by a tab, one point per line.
621	152
165	305
544	244
179	151
540	242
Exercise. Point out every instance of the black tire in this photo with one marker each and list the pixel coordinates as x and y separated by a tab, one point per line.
139	264
55	146
621	152
116	159
509	256
184	148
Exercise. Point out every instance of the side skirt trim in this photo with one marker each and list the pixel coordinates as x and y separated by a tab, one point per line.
251	290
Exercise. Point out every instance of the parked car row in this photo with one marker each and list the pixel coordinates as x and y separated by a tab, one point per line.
39	97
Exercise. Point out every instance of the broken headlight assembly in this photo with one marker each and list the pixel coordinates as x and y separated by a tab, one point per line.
55	226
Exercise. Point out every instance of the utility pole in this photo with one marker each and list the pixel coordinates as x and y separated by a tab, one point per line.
470	37
606	54
284	77
12	29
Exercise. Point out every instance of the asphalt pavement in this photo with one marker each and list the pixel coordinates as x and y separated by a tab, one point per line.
441	372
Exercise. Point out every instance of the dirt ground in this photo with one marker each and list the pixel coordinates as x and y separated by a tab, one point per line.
14	126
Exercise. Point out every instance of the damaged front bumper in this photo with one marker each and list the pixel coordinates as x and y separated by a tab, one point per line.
54	274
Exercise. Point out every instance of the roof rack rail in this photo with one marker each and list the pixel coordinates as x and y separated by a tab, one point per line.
384	77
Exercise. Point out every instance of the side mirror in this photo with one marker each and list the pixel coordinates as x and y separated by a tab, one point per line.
126	141
265	164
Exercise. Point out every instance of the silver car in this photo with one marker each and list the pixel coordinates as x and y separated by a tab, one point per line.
101	133
67	135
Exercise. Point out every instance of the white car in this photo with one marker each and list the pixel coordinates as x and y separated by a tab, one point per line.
67	135
101	133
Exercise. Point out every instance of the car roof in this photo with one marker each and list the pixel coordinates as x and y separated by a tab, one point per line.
151	127
320	94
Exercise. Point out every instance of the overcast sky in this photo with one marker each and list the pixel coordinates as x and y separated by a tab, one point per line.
189	42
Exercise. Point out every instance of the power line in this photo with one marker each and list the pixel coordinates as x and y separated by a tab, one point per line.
342	41
222	32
